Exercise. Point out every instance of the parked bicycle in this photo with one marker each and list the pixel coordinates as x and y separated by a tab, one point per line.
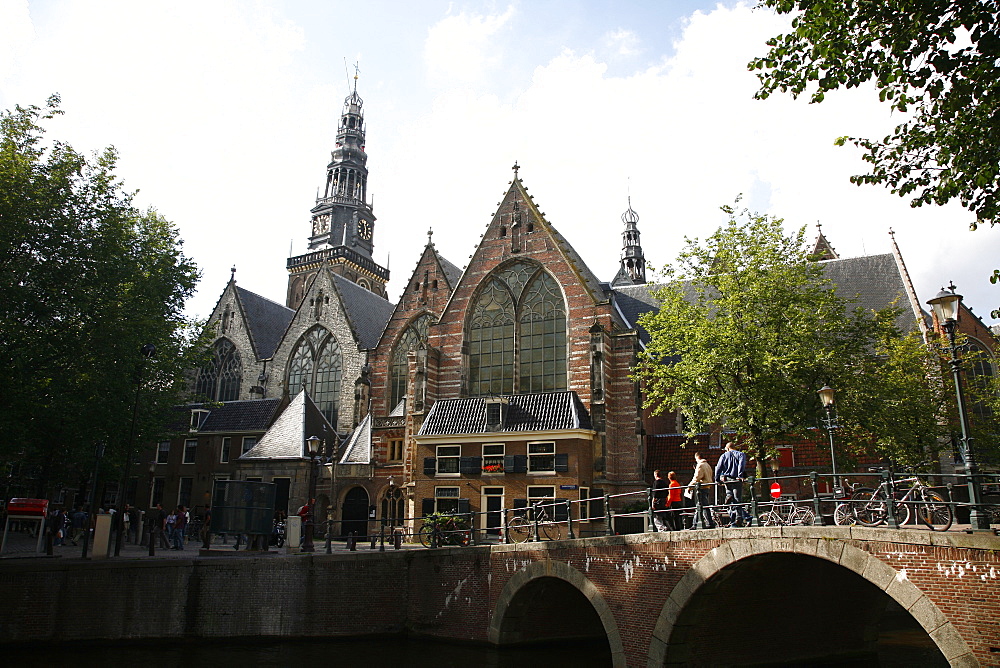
785	513
911	497
444	530
843	513
522	526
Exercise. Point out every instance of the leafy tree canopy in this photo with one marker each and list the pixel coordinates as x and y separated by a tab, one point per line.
938	60
86	279
749	329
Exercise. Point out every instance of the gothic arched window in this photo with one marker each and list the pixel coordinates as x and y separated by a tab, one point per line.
317	365
517	322
413	337
979	372
219	380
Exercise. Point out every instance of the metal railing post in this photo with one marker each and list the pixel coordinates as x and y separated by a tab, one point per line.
754	519
608	526
569	520
890	500
697	523
381	538
817	518
651	525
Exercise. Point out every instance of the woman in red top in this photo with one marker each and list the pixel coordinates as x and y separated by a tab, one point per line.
674	503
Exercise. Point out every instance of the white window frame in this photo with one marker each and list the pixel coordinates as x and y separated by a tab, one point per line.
547	499
227	445
493	455
584	505
190	448
447	494
180	490
453	453
163	452
535	456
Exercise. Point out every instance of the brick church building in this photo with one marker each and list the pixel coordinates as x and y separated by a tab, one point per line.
479	390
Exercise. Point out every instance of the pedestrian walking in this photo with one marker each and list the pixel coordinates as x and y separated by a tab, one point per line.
703	475
660	493
674	503
78	523
730	471
180	524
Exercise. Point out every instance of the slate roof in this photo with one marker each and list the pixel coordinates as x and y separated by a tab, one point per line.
872	282
286	438
451	272
232	416
367	312
359	446
526	412
266	319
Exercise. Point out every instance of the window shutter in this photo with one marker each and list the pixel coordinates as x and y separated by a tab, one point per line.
426	507
430	466
508	463
562	463
470	465
520	464
463	506
597	505
560	509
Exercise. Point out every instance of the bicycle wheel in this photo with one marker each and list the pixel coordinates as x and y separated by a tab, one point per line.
843	515
801	516
721	516
550	531
426	535
903	511
935	511
768	519
519	530
870	511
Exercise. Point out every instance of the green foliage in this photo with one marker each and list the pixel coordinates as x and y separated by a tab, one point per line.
937	60
749	329
86	280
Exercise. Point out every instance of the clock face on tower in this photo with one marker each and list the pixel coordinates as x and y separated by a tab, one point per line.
365	230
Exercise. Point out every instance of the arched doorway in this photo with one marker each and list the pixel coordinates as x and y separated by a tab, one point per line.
811	610
355	512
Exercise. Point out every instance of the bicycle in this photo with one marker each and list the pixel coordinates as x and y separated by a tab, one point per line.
522	526
843	513
786	513
444	531
931	508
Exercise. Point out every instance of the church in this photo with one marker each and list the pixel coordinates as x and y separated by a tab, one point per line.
484	389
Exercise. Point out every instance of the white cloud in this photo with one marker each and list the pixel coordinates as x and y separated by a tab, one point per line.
622	42
460	49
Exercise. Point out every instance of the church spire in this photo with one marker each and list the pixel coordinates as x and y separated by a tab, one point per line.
633	263
822	250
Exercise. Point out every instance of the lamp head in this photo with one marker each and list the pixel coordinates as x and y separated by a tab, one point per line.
826	396
312	443
945	305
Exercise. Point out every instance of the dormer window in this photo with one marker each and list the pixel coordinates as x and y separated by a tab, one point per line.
496	413
198	417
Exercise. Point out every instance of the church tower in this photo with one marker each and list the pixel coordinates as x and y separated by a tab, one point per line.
633	263
342	224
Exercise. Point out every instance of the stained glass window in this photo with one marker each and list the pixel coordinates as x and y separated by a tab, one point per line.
317	365
413	337
219	380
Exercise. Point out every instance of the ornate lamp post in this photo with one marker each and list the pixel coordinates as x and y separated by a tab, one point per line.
149	513
945	305
312	443
826	398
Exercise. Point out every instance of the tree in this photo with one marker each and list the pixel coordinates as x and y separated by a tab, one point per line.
86	280
747	331
937	60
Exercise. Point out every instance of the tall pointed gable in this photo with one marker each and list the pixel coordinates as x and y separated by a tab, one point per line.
266	321
822	250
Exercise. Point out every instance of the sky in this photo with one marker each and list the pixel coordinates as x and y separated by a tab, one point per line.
224	115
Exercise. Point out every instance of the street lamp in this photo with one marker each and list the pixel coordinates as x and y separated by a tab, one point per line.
149	513
945	305
826	398
312	443
146	352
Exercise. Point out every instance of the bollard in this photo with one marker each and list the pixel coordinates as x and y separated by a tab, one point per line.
352	542
374	540
817	518
381	539
397	539
754	519
48	541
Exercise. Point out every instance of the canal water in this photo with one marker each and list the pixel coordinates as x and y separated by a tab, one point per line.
396	652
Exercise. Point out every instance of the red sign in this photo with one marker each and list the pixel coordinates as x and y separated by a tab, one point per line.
775	491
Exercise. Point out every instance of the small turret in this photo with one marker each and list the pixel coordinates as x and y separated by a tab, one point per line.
633	263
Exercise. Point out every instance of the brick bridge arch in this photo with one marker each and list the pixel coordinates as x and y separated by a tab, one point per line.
504	625
729	556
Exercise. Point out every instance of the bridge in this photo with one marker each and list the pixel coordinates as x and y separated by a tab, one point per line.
712	597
